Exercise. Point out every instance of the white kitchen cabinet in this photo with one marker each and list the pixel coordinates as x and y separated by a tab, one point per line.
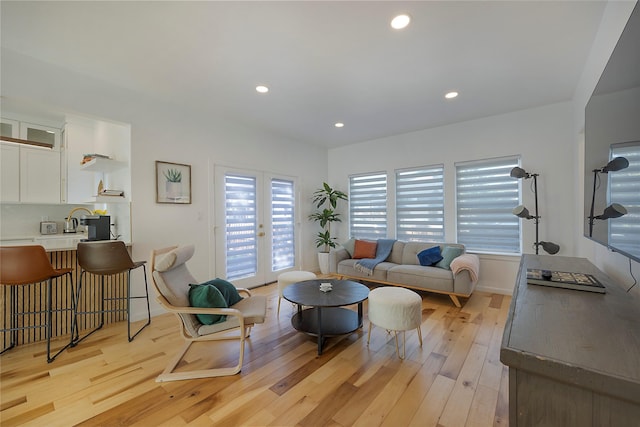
40	134
9	173
29	174
10	128
39	175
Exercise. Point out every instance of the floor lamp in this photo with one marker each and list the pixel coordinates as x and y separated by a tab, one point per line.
522	212
614	210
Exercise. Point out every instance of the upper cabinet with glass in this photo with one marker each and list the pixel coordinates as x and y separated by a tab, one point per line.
30	133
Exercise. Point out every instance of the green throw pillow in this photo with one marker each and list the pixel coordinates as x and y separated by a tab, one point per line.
228	291
449	253
207	296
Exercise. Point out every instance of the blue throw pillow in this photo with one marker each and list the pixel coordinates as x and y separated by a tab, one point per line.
449	253
207	296
430	256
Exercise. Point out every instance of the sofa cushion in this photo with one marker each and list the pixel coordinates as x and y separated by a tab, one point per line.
365	249
449	253
396	253
430	256
411	251
350	246
417	276
347	268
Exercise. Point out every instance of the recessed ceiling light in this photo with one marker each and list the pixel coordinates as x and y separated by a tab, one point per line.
262	89
400	21
339	125
451	95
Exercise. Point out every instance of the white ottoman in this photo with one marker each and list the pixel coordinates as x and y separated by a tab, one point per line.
395	309
289	278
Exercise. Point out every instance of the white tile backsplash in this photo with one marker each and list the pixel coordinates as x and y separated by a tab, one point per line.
21	220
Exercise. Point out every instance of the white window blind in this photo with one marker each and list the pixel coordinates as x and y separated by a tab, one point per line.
624	188
485	197
368	206
283	224
420	204
240	226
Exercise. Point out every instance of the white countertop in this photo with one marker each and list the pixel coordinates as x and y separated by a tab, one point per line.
50	242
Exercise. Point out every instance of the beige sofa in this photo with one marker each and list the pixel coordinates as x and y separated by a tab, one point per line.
402	268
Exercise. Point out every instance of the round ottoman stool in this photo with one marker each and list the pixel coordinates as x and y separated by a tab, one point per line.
395	309
289	278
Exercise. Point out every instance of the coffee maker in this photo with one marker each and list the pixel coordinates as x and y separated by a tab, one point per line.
98	226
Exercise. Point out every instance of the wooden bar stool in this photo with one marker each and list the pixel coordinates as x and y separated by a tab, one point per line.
26	265
106	258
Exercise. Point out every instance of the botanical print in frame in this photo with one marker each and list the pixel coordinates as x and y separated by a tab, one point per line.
173	183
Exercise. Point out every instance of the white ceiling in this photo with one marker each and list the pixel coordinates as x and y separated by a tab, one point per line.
323	61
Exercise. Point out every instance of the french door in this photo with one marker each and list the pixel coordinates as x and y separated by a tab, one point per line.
255	226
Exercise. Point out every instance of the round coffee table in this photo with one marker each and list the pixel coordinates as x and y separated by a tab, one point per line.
325	315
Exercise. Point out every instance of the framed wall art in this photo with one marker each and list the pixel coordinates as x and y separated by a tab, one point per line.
173	183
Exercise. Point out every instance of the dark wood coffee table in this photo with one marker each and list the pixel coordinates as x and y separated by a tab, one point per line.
326	315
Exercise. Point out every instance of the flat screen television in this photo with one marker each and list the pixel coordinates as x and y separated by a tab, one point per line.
612	131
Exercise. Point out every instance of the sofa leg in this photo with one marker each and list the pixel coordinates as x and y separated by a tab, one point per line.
456	301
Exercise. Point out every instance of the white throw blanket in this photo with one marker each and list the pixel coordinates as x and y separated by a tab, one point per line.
469	262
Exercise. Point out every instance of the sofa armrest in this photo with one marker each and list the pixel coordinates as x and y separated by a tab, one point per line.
466	269
335	256
462	283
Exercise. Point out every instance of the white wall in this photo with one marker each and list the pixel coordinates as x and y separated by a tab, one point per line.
162	131
542	137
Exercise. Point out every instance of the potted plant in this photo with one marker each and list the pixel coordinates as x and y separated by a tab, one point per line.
174	183
325	200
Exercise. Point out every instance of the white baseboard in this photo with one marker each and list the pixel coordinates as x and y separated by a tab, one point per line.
494	290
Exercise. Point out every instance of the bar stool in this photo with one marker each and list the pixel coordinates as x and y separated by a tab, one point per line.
106	258
25	265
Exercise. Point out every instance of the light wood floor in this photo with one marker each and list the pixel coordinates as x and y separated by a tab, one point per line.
455	379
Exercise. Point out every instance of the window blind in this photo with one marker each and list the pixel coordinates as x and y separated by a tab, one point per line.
420	204
283	225
485	197
624	188
240	226
368	206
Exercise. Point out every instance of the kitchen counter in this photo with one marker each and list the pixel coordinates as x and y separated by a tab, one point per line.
62	252
50	242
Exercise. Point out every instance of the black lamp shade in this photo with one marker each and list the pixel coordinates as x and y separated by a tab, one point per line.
614	210
616	164
521	212
519	173
550	247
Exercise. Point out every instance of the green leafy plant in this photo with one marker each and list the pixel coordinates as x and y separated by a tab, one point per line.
321	198
173	175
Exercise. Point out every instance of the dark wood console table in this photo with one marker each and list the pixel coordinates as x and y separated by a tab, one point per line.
573	356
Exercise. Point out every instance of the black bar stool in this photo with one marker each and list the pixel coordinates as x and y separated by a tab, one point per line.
26	265
106	258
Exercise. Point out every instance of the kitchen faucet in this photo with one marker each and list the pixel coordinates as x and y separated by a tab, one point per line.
78	209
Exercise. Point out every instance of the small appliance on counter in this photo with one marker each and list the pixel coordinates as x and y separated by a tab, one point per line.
98	226
70	225
48	227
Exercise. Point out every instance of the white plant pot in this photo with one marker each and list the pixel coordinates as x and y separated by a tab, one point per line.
174	190
323	260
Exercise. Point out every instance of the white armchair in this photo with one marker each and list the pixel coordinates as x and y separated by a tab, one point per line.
171	279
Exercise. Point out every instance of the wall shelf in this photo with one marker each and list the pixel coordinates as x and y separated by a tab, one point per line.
108	199
103	165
